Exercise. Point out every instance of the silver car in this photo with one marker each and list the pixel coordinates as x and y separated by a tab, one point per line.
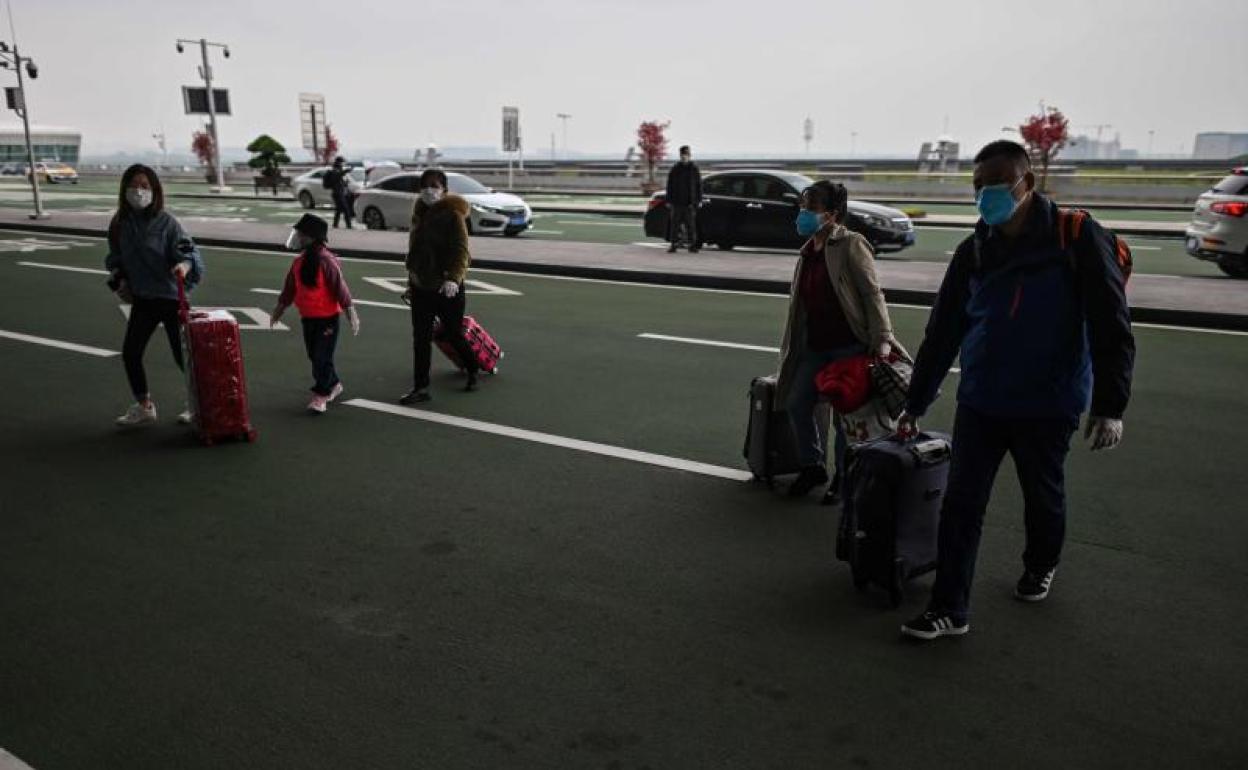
1219	229
388	205
309	189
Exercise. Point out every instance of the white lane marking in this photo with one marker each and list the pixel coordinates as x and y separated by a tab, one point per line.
546	232
10	762
482	289
738	249
709	343
28	245
1138	247
252	318
354	301
720	344
66	268
589	447
1166	327
633	225
60	344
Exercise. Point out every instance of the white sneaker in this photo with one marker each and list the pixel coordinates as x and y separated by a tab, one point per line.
138	414
317	404
334	393
185	417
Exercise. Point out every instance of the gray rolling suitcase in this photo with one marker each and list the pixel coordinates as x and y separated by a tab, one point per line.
891	513
770	449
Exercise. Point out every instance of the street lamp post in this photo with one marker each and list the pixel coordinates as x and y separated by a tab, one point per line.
565	118
11	58
206	72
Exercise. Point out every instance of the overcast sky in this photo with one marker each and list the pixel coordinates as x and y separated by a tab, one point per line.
730	75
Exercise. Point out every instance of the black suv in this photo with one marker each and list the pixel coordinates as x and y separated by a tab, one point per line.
759	208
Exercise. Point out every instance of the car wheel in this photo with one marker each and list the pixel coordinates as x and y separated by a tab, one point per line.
512	233
373	219
306	200
725	246
1235	268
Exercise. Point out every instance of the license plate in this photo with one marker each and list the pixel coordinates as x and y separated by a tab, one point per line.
518	220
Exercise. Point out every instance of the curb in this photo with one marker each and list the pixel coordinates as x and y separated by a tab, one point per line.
1198	319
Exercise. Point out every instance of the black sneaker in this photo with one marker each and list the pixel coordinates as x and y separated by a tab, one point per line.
471	385
1033	586
671	249
418	396
807	480
930	625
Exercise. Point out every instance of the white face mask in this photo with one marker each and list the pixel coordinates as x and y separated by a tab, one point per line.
296	241
431	195
138	198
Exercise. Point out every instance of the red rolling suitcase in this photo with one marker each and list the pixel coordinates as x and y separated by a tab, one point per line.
216	385
483	345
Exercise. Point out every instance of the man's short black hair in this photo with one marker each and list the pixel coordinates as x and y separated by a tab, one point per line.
833	195
1004	148
684	148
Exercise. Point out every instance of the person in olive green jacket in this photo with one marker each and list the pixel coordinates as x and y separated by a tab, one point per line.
437	263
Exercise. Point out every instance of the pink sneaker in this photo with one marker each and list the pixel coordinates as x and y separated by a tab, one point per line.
318	404
334	393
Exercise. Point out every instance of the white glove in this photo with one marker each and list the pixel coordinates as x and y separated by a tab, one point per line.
276	315
354	319
1103	433
884	349
449	289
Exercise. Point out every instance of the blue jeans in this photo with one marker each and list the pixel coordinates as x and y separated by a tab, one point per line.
802	402
1039	448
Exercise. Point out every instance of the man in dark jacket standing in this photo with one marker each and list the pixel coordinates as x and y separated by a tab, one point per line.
684	195
339	186
1042	330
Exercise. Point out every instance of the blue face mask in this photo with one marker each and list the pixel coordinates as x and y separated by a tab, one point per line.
808	223
996	202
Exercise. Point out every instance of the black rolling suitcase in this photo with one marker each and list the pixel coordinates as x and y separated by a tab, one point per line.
891	513
770	448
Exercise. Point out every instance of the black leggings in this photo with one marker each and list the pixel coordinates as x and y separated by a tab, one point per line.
145	316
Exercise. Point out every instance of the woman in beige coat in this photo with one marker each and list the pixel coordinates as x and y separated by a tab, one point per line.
836	310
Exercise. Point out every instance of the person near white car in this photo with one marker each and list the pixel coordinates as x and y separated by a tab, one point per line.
437	264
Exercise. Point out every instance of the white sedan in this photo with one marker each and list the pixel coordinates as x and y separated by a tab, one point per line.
309	189
388	205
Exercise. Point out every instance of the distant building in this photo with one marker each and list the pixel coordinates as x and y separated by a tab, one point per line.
63	144
1220	145
1086	148
940	157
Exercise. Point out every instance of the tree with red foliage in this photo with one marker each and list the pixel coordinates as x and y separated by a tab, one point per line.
202	146
652	141
1045	134
330	150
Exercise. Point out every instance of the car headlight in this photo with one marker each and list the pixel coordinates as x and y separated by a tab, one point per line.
485	209
874	221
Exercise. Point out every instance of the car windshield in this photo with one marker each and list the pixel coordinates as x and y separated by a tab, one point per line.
1235	184
799	182
466	185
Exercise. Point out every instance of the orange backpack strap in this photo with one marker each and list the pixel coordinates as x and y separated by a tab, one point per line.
1069	226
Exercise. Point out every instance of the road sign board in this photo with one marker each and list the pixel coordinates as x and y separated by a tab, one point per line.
195	100
312	121
511	129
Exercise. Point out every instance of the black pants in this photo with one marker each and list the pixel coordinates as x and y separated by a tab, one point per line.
320	337
145	316
425	306
343	208
688	217
1039	448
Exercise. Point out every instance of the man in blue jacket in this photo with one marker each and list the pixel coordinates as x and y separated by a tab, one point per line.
1042	331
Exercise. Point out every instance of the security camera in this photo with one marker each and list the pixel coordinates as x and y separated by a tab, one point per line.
32	69
180	48
227	53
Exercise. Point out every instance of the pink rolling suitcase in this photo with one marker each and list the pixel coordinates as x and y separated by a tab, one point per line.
483	345
216	385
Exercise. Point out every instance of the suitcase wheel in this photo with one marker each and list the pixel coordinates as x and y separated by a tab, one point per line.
250	436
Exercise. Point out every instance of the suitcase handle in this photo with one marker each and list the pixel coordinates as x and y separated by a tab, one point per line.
184	304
